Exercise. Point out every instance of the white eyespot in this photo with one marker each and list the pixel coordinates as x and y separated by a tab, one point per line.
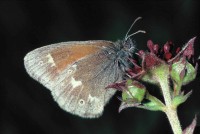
81	102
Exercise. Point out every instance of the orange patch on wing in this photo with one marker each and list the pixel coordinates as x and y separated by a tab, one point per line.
69	54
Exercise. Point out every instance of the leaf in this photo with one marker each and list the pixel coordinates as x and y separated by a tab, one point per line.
191	127
127	105
179	99
154	104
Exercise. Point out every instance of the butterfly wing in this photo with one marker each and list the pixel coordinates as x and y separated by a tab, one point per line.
76	73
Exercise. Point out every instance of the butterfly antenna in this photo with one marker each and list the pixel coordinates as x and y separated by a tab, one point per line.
139	31
132	26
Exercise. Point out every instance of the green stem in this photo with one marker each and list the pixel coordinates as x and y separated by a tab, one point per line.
173	119
170	111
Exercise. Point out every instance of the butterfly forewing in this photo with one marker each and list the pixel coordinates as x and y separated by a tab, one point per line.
76	73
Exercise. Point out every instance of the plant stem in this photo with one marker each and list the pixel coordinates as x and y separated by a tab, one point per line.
170	111
173	119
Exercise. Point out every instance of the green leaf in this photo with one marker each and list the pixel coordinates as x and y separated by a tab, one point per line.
125	105
191	127
179	99
154	104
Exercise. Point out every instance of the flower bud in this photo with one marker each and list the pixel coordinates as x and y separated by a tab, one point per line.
135	92
182	72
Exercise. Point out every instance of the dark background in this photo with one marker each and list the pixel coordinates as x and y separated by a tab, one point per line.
26	107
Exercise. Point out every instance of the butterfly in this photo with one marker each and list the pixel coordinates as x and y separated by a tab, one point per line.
77	72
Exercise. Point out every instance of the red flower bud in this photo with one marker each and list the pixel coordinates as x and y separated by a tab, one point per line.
150	45
156	48
166	47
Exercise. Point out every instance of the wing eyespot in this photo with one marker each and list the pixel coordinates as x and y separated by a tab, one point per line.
69	71
81	102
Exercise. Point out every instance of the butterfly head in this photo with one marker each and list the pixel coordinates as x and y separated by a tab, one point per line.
126	49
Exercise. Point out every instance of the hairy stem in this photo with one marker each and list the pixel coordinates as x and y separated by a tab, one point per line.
170	111
173	119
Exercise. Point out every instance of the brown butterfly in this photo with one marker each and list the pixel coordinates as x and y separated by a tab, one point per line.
78	72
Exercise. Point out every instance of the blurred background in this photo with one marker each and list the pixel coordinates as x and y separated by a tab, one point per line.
26	107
